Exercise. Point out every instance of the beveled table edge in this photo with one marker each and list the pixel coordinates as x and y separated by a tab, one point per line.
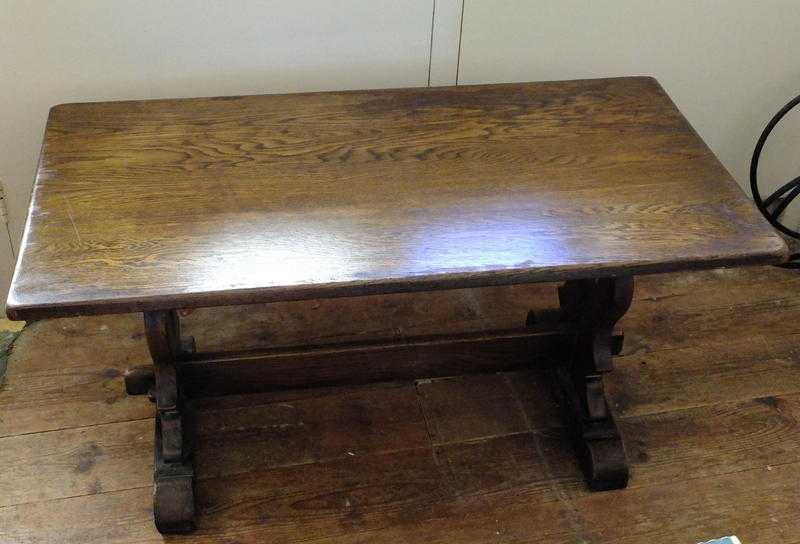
31	311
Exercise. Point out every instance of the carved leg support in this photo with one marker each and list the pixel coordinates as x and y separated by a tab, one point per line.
593	307
173	498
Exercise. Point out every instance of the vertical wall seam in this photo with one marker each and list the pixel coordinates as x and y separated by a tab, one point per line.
460	33
430	50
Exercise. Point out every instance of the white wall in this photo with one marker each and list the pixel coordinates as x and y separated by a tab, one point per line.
54	51
729	64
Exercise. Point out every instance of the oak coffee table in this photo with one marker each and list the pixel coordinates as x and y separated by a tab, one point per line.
155	206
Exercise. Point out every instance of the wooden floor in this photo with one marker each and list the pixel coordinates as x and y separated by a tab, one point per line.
707	392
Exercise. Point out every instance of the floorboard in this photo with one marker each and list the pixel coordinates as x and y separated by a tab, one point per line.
707	392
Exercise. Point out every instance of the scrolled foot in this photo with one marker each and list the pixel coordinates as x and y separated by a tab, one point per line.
173	504
173	490
597	440
173	475
604	464
592	308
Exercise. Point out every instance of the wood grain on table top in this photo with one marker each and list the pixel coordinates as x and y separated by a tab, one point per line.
202	202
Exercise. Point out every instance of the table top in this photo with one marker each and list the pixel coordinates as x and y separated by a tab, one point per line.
161	204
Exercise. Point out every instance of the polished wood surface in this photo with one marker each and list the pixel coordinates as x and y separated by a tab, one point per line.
708	401
202	202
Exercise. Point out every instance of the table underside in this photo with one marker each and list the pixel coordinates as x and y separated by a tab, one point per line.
574	343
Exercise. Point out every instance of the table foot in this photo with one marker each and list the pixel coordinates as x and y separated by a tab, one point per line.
173	492
593	307
604	463
173	477
597	441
